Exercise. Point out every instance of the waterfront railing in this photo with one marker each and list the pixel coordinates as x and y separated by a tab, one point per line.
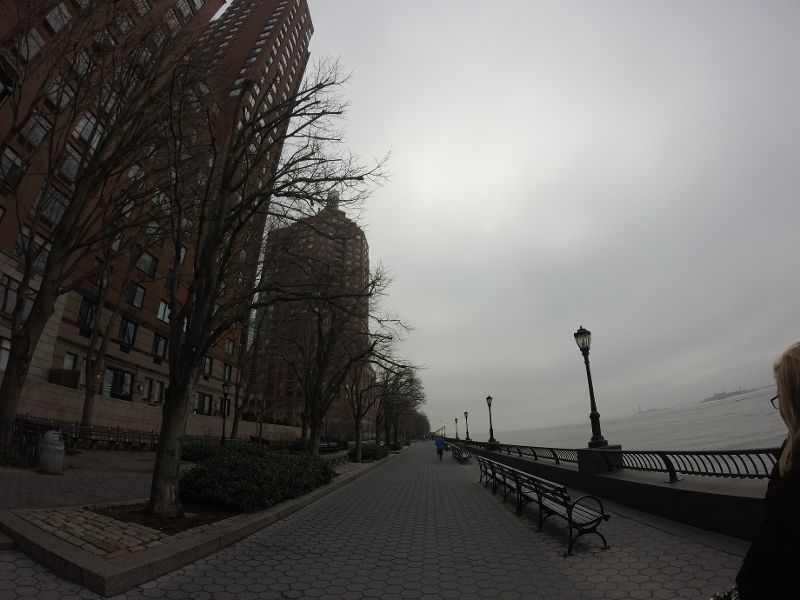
25	432
744	464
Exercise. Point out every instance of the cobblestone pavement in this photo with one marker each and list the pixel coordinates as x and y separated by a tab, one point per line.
101	535
417	528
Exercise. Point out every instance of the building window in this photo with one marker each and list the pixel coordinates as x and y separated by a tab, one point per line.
35	129
37	252
10	168
142	7
147	389
70	361
119	383
208	367
60	93
5	85
9	289
229	346
5	350
86	313
182	254
127	332
51	205
70	162
135	295
147	263
202	403
158	394
58	18
227	373
183	7
124	23
172	21
163	312
160	344
82	63
30	45
88	131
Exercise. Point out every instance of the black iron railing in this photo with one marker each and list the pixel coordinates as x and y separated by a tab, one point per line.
743	464
25	431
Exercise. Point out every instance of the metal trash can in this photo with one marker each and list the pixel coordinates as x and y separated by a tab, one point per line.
51	452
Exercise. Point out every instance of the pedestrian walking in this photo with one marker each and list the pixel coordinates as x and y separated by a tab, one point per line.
439	441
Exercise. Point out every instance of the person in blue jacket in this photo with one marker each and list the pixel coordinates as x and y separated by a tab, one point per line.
439	441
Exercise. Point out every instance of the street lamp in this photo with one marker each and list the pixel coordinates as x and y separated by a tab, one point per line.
225	385
466	422
456	420
583	337
491	430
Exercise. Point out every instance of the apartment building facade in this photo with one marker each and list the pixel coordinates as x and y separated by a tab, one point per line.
120	313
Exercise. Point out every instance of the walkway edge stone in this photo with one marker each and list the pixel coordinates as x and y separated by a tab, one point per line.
108	577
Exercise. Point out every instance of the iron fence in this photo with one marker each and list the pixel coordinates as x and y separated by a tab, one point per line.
19	439
743	464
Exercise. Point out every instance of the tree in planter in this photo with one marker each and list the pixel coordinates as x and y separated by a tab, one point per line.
219	216
83	106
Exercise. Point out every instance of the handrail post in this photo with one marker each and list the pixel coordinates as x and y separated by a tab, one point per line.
673	476
555	456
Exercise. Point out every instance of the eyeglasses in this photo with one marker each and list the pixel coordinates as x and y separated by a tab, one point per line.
774	402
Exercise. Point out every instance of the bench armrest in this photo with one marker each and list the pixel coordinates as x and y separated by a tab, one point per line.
593	503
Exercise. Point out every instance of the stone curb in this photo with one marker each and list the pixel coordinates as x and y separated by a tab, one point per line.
108	577
6	543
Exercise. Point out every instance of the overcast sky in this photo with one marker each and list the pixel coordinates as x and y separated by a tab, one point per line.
632	167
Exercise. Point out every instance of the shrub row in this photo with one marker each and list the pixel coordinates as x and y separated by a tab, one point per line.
244	477
371	452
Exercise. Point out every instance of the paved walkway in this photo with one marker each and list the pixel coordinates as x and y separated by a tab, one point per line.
96	476
416	528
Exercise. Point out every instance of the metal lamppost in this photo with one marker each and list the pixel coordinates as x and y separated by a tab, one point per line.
456	420
224	408
583	337
466	422
491	430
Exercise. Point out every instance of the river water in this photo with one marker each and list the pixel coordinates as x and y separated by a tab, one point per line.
737	423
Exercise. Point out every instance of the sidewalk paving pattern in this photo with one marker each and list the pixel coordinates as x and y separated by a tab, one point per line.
416	528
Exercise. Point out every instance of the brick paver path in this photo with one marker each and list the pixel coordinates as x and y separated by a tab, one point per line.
417	528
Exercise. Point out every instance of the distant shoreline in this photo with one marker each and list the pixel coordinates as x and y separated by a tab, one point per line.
740	392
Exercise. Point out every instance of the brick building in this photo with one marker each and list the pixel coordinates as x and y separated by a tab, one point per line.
326	252
51	119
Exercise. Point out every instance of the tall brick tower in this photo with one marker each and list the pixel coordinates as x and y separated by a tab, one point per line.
327	252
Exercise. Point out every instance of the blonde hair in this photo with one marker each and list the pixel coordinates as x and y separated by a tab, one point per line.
787	376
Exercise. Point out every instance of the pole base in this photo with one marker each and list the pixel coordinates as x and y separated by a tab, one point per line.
598	442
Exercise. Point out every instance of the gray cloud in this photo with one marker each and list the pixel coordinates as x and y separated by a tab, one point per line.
626	166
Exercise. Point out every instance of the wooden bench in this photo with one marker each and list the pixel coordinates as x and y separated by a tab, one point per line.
582	515
460	453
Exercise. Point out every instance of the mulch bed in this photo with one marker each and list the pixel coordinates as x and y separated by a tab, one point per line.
193	516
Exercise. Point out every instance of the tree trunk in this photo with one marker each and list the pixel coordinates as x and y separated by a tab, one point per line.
23	345
237	415
377	431
359	437
94	371
164	501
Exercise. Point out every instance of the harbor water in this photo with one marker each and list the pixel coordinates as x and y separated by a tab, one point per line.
740	422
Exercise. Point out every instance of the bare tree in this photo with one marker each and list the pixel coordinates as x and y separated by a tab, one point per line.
400	394
260	158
